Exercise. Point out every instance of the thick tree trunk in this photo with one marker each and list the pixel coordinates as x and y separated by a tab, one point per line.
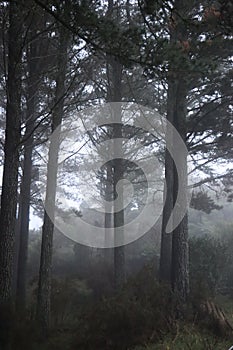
44	287
174	245
180	260
11	151
174	267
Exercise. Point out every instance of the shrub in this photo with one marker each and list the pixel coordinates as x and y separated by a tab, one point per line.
208	264
189	338
141	311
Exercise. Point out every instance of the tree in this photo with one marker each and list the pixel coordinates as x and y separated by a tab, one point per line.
174	245
34	66
11	151
189	63
44	287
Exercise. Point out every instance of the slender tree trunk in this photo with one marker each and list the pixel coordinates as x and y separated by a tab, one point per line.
11	151
166	238
24	202
44	287
24	208
118	173
108	216
16	253
119	250
114	71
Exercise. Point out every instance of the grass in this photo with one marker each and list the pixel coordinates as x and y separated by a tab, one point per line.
189	338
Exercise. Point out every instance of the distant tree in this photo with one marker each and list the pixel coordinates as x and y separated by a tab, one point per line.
203	202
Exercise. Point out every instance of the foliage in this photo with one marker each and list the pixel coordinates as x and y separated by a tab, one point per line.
202	201
189	338
68	296
143	310
208	263
211	262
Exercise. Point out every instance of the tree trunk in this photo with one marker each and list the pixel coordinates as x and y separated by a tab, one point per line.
108	216
119	250
166	238
44	287
180	260
11	151
174	266
118	173
114	72
24	202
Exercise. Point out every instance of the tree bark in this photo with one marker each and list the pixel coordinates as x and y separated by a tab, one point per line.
44	286
166	238
174	246
24	200
118	173
11	151
119	250
114	91
108	216
180	259
114	71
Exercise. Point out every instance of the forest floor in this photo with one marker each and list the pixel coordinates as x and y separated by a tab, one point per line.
184	335
141	316
188	338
